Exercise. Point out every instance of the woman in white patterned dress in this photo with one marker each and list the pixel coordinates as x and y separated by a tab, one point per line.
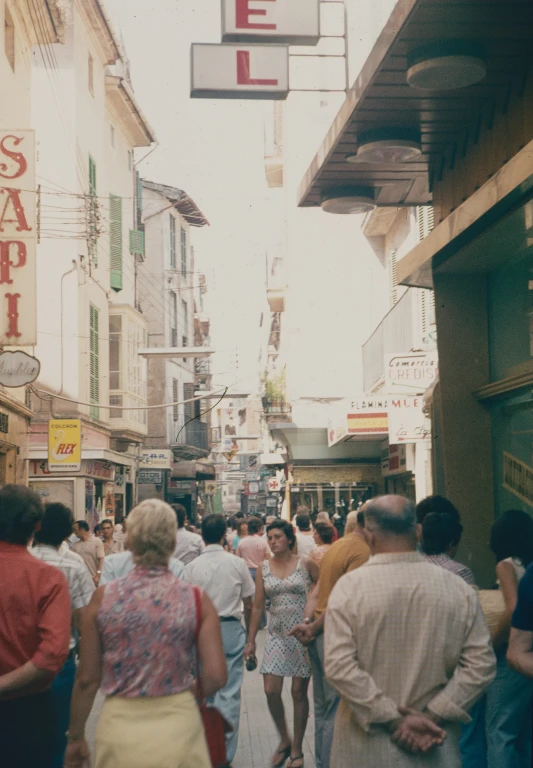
286	580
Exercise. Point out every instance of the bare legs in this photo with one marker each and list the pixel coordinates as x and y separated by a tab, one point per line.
273	688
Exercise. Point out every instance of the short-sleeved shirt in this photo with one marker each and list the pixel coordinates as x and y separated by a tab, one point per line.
306	543
523	613
225	578
188	546
444	561
343	556
91	551
116	566
34	614
113	547
253	550
80	584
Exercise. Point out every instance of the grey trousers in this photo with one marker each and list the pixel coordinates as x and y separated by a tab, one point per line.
326	701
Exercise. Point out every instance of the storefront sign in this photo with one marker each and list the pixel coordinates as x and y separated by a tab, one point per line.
518	478
276	21
407	421
184	486
274	484
102	470
18	239
411	372
156	459
272	501
368	416
64	445
239	71
18	369
150	477
210	488
396	459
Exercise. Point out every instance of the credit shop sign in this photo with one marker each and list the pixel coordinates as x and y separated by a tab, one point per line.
243	66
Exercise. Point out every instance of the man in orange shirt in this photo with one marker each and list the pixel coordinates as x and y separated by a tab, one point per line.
35	619
343	556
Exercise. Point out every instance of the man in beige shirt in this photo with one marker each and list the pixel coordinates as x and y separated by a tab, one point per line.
91	549
111	545
406	648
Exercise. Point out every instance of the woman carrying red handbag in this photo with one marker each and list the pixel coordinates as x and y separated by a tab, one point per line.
138	644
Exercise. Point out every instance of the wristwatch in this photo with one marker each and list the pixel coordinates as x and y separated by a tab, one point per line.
308	620
98	571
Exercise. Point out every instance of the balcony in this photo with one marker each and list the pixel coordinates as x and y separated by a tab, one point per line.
191	441
277	286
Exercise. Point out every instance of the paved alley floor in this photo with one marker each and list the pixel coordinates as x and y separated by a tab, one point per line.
257	735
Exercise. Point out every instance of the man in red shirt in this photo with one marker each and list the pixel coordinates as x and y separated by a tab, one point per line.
34	634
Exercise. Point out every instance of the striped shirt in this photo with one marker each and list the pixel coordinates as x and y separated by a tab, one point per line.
80	583
452	565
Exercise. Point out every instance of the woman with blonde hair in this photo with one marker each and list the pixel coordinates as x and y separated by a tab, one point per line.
137	643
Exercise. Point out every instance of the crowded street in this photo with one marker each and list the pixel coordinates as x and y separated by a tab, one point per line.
266	384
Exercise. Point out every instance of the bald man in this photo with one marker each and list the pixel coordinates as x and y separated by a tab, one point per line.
406	648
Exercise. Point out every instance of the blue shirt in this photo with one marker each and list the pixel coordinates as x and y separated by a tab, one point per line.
122	563
523	613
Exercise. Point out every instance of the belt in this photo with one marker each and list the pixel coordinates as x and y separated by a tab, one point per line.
229	618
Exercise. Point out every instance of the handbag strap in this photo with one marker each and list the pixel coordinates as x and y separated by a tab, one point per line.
198	603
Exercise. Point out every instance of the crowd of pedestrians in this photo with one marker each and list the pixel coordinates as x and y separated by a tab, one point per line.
411	664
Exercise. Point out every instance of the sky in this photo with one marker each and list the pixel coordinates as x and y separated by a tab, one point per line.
214	151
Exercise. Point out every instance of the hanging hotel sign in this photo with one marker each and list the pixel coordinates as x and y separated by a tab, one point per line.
18	369
18	239
64	445
239	71
411	372
295	22
407	421
368	416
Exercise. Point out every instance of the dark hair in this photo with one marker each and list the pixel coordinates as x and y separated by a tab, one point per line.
325	531
107	521
181	514
286	528
97	528
213	529
83	524
56	525
303	521
254	525
439	532
512	536
239	514
361	519
20	511
436	504
302	510
239	524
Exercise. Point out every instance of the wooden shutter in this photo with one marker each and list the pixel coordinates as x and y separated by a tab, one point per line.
94	360
92	215
425	215
172	241
92	176
188	394
183	252
115	241
175	398
393	277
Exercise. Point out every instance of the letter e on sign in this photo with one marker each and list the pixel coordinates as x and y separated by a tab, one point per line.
293	22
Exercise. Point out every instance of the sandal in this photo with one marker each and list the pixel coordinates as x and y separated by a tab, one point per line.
294	764
284	754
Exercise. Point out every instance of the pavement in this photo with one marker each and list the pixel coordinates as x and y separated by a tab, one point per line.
257	736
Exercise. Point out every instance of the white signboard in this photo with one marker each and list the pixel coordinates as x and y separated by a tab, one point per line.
273	484
296	22
18	368
410	373
239	71
18	239
155	459
407	421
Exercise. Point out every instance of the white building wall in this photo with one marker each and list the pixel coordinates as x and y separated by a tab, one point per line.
15	104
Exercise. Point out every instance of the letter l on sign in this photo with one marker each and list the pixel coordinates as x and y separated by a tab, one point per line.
243	71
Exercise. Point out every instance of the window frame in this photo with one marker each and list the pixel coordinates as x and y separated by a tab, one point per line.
172	240
94	360
90	73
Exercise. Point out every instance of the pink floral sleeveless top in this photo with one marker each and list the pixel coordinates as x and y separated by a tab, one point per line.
147	623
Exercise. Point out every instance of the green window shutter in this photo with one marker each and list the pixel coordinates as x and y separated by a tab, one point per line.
94	361
183	252
92	176
115	241
172	241
92	212
137	242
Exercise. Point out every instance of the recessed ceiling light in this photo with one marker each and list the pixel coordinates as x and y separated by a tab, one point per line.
446	66
348	200
387	146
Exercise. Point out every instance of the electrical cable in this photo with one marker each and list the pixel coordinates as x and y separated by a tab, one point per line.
196	418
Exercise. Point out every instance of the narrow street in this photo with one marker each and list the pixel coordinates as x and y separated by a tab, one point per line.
257	737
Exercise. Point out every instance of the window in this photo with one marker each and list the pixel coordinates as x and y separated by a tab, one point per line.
9	39
188	394
94	361
183	252
115	241
112	134
130	160
425	216
172	242
393	278
175	398
115	349
90	76
92	215
173	319
184	324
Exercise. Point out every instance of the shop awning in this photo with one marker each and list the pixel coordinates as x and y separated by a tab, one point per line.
193	470
381	99
96	454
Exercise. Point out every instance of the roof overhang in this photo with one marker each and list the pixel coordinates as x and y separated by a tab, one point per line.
100	23
121	98
497	220
44	20
184	204
175	353
381	98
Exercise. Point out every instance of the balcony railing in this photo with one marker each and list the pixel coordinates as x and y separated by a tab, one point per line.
194	436
275	406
